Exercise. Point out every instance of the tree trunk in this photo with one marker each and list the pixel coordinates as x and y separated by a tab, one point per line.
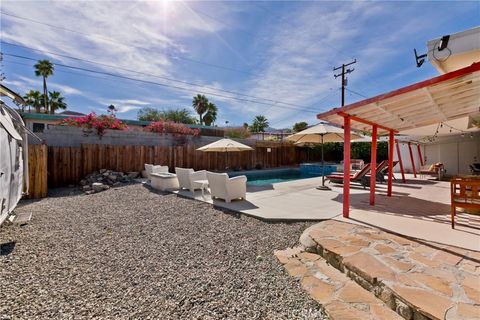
45	96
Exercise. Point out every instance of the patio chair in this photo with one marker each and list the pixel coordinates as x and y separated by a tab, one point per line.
382	170
187	177
223	187
435	169
475	169
464	193
359	176
150	168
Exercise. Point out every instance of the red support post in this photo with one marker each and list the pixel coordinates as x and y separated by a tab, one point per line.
420	154
373	165
391	142
400	162
346	166
411	159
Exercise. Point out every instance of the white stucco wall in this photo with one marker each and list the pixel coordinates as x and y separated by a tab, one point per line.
455	152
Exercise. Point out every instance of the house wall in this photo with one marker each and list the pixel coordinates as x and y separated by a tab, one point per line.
455	155
455	152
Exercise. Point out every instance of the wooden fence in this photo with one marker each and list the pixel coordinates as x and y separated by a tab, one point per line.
37	171
68	165
62	166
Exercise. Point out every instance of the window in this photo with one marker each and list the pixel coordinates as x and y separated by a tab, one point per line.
38	127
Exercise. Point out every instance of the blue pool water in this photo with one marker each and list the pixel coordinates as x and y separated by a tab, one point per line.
268	177
262	181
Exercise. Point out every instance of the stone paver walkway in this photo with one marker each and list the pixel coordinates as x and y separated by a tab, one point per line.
341	297
416	279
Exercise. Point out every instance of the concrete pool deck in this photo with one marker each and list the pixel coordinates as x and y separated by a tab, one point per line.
419	208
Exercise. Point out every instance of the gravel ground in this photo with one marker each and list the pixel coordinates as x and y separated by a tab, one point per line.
130	252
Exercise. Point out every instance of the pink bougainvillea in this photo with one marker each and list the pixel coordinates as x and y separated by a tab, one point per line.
164	127
94	122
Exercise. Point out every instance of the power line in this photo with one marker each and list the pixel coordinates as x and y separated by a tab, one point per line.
158	83
153	75
123	44
357	93
317	102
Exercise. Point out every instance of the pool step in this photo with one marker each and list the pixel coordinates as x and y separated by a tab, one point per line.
341	297
416	280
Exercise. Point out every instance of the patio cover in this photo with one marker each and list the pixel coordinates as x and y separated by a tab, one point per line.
444	98
447	97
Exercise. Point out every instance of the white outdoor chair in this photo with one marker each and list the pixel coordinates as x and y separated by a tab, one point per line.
150	168
186	178
223	187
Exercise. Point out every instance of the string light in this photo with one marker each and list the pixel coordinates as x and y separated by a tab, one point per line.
451	129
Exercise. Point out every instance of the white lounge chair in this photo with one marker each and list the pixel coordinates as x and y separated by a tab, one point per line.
223	187
150	168
186	178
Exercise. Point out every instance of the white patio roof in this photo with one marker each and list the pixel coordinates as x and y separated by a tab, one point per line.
448	97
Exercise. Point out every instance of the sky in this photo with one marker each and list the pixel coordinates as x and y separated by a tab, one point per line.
271	58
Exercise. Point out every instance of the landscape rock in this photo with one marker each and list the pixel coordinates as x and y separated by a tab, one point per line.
104	179
97	186
132	175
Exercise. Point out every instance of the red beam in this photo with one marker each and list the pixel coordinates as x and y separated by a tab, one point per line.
391	142
346	166
373	165
419	85
420	155
411	159
370	123
400	162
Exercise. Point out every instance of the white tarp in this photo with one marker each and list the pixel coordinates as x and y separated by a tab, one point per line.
11	163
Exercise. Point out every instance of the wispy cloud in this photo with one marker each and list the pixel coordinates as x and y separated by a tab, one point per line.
23	84
125	109
129	34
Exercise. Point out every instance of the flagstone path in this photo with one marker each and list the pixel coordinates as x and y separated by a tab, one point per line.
356	272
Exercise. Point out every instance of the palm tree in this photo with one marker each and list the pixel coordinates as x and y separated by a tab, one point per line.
44	68
211	114
260	123
56	101
200	104
34	99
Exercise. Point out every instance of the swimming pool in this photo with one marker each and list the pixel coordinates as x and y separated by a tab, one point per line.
268	177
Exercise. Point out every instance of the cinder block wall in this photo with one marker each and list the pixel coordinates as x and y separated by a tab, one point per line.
65	136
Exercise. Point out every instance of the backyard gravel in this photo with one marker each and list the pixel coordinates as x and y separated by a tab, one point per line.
129	252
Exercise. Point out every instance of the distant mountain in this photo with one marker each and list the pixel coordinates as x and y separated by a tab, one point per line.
71	113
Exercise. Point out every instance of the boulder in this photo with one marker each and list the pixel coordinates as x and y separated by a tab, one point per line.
97	186
132	175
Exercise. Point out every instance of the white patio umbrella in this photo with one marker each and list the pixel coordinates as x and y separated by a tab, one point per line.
320	133
225	145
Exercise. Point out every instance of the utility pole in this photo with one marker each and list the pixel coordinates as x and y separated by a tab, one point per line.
344	80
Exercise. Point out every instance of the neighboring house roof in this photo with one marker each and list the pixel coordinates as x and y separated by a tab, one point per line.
61	116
